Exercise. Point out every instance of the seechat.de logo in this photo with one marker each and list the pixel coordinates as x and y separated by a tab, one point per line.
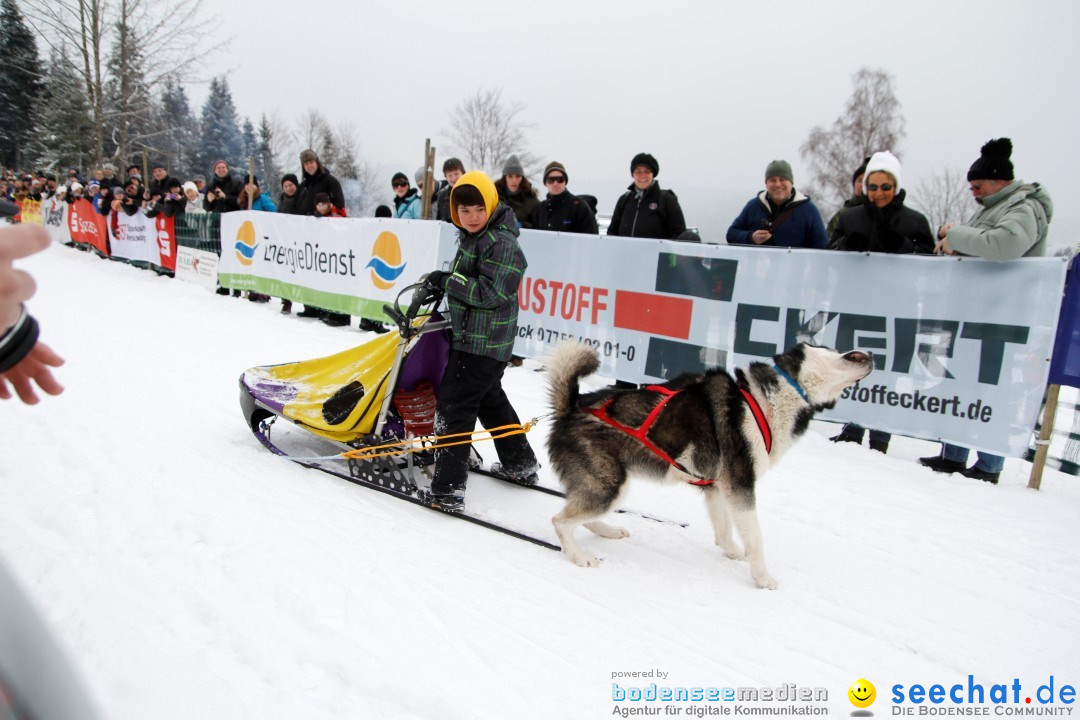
245	243
386	264
862	695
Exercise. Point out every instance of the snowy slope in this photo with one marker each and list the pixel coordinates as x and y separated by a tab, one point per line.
191	574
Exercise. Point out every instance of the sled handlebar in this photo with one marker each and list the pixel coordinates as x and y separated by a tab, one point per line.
423	295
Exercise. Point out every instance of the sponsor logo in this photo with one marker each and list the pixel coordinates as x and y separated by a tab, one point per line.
245	243
862	695
386	264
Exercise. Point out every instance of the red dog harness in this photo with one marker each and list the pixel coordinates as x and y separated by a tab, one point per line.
641	433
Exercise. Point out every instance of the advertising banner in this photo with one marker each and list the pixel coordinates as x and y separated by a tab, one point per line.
957	357
197	266
53	217
143	239
30	212
87	225
347	265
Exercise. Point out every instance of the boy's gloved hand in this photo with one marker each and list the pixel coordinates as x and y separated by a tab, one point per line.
436	279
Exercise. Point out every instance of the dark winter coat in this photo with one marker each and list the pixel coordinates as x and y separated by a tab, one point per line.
894	228
132	199
159	188
654	213
167	207
851	202
523	203
482	292
797	223
321	182
442	203
289	205
564	213
231	186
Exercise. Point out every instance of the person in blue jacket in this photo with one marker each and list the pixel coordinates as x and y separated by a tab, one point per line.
407	203
780	215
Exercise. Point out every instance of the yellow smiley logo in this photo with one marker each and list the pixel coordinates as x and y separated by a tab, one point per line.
862	693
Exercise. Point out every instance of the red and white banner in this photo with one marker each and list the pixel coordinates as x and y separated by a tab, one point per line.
86	225
140	238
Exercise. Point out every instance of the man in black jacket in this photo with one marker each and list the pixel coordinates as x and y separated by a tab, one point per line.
317	179
223	191
562	211
645	210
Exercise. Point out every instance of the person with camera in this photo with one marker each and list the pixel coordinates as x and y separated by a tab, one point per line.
780	215
223	191
170	203
159	183
130	199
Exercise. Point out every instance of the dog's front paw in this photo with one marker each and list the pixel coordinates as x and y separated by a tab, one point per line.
584	559
765	581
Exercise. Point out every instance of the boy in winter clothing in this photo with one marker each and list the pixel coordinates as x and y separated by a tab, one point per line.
481	292
452	169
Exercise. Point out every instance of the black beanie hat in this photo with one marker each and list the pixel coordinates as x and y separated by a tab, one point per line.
861	170
291	177
556	165
383	211
993	162
647	160
400	176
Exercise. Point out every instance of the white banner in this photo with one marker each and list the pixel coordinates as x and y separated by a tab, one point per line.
349	265
54	214
134	237
962	346
197	266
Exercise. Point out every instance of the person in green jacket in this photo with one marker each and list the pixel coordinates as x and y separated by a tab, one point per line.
481	291
1012	223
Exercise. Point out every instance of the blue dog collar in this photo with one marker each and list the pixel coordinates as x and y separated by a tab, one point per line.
792	382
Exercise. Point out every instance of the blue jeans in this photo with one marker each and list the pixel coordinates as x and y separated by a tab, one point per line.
986	461
856	431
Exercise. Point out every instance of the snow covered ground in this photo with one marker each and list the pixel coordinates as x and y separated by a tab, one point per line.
189	573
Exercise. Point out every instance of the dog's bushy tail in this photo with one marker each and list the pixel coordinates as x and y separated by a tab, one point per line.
570	362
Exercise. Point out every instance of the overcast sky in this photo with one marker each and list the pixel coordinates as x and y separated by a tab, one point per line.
715	90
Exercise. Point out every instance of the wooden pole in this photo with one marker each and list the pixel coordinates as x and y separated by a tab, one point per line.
429	179
1043	445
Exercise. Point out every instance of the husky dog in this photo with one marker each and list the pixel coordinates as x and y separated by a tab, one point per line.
713	430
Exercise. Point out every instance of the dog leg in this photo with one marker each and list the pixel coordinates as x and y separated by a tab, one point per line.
721	522
746	521
607	531
565	523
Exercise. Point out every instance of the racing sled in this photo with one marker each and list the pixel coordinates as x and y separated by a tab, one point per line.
374	404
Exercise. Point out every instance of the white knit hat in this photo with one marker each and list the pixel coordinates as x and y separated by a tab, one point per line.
883	161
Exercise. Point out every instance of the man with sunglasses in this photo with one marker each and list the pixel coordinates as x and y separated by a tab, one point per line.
562	211
1012	223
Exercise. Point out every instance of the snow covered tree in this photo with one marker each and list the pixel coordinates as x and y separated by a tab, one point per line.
872	120
265	158
221	137
485	130
21	84
130	110
64	131
172	34
181	141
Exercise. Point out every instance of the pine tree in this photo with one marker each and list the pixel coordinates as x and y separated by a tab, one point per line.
249	152
21	84
65	131
129	107
182	138
264	154
221	138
